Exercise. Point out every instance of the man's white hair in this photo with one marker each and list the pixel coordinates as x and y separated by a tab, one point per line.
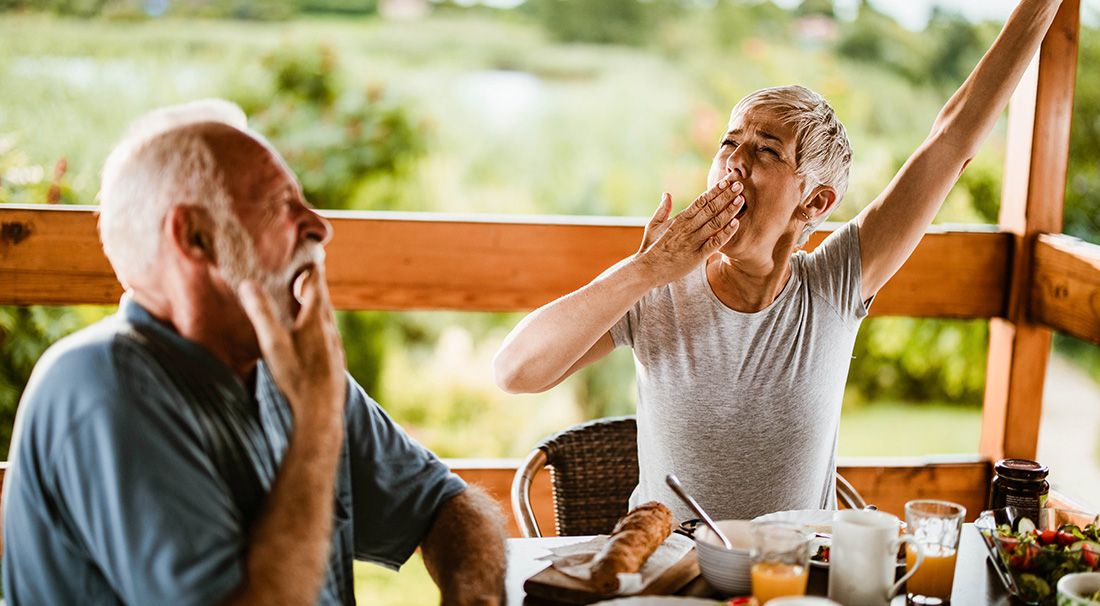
823	154
161	162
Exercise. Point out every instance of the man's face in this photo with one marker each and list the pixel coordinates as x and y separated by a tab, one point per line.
760	152
273	235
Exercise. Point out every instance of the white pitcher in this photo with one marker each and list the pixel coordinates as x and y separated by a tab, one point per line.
863	558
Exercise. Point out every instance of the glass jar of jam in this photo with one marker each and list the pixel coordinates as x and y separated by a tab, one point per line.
1022	484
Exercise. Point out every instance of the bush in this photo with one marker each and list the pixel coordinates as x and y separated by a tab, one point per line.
920	360
337	141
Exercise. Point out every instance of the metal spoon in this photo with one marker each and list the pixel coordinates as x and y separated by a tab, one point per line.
674	484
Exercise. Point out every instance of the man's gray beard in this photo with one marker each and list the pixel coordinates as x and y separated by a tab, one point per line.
238	262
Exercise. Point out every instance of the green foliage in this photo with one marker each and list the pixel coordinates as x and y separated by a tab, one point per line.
1082	212
600	21
607	389
25	334
823	8
919	360
346	7
337	141
942	55
957	45
874	37
247	10
377	586
23	182
253	10
76	8
734	21
900	429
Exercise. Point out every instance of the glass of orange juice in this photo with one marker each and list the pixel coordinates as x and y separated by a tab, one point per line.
936	525
780	560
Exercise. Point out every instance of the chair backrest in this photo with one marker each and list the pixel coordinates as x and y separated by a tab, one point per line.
593	471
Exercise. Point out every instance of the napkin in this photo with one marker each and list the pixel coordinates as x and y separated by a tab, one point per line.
575	560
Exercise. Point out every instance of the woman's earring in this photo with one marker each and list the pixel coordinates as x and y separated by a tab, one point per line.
805	216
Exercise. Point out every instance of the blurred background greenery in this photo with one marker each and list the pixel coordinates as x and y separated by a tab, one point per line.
581	107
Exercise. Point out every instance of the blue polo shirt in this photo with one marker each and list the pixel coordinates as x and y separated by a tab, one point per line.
140	464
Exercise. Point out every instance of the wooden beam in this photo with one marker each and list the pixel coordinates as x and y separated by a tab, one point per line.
1065	294
1034	192
890	484
886	484
52	256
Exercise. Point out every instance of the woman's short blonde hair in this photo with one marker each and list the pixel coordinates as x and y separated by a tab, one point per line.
823	153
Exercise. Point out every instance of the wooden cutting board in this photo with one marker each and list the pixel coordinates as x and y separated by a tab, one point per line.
551	586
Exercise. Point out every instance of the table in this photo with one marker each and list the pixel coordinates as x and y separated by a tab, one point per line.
976	582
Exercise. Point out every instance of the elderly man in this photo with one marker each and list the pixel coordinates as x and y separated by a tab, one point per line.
205	444
741	341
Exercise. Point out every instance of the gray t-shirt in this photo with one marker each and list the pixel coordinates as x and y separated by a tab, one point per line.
140	465
745	407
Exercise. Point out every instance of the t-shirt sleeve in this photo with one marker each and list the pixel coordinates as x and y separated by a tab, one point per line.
397	484
622	333
835	272
135	488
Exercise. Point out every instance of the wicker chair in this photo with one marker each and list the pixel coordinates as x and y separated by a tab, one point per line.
593	470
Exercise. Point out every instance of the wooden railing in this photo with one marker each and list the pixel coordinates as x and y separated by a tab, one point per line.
52	255
1023	276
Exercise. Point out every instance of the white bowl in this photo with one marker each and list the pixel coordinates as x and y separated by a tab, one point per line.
1076	589
728	571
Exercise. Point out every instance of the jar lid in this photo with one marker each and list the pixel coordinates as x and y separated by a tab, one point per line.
1021	469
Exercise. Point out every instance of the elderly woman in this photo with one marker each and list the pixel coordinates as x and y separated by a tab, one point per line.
742	341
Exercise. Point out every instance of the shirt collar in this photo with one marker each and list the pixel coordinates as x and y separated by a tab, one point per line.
206	364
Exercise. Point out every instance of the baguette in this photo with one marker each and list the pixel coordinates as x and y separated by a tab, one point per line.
634	539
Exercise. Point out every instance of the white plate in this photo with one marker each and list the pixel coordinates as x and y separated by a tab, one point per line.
818	520
648	600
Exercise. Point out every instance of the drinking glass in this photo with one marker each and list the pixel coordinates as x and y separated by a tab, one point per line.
936	526
780	560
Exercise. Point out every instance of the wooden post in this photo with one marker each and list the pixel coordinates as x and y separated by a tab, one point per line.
1031	204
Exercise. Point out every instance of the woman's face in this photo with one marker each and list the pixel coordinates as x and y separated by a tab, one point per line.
760	152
